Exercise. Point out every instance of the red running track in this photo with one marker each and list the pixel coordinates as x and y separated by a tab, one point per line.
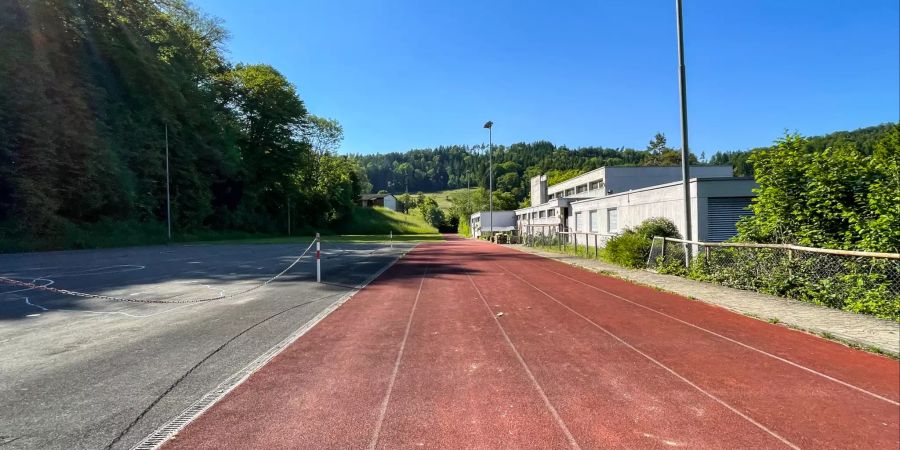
466	344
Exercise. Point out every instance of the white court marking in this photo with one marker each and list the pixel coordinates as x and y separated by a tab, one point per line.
88	272
88	311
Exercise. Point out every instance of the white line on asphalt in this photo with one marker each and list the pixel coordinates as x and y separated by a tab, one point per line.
88	311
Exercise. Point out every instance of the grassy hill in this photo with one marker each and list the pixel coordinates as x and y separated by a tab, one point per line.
384	221
443	197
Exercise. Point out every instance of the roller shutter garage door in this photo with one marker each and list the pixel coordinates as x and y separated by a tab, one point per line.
724	213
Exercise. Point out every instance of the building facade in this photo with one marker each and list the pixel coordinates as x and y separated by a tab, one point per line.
550	205
716	205
480	222
383	200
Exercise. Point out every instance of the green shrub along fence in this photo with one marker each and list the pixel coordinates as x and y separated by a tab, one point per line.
862	282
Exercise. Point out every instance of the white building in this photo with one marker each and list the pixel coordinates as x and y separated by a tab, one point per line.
716	205
480	222
384	200
550	205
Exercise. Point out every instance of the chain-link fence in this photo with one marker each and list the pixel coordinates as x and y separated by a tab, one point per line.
856	281
579	243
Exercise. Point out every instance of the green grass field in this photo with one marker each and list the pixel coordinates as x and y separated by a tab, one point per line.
442	197
374	221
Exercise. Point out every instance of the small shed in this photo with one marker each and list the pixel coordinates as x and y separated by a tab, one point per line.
384	200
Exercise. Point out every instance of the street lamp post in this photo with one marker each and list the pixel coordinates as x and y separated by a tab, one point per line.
685	163
489	125
168	196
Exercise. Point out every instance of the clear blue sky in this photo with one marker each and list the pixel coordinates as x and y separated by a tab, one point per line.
404	74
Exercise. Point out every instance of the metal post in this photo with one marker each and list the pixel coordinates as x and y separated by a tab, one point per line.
392	238
168	195
685	163
491	173
318	259
596	248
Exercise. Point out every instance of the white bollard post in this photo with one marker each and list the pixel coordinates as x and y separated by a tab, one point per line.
392	238
318	260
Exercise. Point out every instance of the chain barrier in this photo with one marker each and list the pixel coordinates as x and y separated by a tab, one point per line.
47	288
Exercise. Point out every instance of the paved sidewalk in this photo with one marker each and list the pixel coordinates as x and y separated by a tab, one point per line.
858	329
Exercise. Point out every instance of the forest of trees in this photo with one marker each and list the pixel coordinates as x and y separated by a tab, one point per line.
89	90
441	168
452	167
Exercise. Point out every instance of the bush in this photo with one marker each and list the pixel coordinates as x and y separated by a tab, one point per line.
629	249
632	247
658	226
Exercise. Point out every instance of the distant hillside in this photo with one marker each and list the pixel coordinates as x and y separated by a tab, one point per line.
451	167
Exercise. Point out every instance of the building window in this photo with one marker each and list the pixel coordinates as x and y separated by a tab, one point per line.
595	185
542	214
551	212
579	221
595	221
612	220
534	215
581	188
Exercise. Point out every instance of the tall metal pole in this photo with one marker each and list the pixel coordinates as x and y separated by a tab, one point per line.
491	175
168	196
685	163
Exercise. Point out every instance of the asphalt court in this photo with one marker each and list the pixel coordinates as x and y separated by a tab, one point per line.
83	372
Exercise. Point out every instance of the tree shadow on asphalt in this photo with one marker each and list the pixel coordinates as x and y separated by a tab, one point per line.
186	273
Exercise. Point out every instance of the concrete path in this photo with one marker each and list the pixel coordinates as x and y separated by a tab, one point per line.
866	331
466	344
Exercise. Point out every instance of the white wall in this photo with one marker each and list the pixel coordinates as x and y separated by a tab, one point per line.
666	201
481	220
621	179
390	202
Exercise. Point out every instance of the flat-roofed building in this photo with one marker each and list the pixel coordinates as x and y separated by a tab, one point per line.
550	211
716	206
480	222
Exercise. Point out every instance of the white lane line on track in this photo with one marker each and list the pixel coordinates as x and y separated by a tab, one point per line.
734	341
376	434
659	364
537	386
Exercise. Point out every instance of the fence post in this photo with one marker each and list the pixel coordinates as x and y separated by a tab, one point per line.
790	262
318	260
662	253
596	251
